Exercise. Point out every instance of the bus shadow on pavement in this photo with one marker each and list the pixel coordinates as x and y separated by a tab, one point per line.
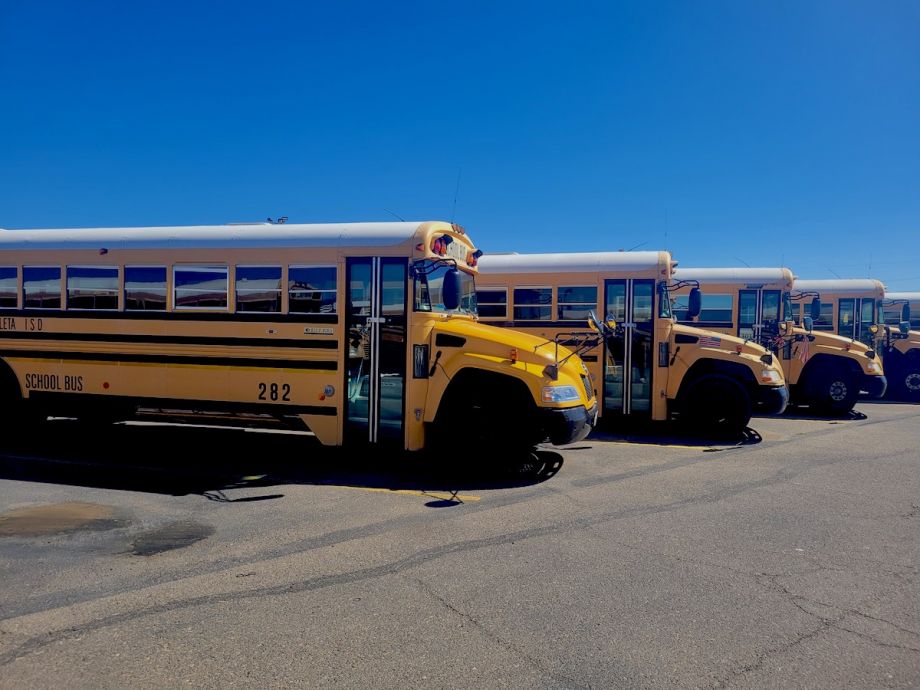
671	433
806	414
182	460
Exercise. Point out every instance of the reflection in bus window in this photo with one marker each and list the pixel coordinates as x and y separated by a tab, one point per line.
312	290
9	276
200	287
41	287
574	303
258	289
145	288
825	321
92	287
718	308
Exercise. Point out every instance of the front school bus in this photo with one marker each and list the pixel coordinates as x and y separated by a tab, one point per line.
823	371
364	332
855	310
647	365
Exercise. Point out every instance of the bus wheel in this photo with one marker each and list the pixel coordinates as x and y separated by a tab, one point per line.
715	403
910	383
834	391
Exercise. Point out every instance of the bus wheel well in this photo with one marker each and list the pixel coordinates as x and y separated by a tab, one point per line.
492	407
824	362
830	384
707	367
10	389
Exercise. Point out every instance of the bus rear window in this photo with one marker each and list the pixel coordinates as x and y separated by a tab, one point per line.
200	287
92	287
145	288
9	279
41	287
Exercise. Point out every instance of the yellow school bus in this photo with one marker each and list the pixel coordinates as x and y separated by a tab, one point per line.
647	365
894	312
823	370
363	332
854	310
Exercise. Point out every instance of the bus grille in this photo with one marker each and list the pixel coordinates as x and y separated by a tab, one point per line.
587	383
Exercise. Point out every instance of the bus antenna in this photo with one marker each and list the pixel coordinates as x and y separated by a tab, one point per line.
738	258
456	194
394	215
835	273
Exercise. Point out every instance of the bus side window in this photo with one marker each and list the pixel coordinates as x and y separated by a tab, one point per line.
145	288
574	303
493	303
9	284
533	304
258	289
312	290
200	287
92	287
41	287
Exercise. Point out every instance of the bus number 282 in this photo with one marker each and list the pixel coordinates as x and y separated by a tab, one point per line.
273	391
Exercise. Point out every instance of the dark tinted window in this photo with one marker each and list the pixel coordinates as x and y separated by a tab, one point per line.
492	303
533	304
574	303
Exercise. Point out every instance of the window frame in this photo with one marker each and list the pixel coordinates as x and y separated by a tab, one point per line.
166	288
16	288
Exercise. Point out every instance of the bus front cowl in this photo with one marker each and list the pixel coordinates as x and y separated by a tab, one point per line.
506	386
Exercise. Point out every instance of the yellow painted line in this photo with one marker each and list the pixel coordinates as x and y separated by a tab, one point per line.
658	445
442	495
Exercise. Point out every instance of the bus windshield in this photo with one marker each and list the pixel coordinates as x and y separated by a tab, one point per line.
428	292
789	314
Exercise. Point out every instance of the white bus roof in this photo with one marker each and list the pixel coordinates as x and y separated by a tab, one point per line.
868	286
244	235
727	276
910	296
572	262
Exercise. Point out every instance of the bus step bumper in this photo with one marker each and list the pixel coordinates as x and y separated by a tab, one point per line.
771	400
569	425
875	386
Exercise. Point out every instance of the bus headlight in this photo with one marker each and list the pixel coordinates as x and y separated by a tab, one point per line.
872	367
558	394
770	376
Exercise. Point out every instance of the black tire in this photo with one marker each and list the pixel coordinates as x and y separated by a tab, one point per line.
716	403
833	390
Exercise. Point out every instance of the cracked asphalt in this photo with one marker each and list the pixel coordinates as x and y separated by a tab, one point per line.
156	555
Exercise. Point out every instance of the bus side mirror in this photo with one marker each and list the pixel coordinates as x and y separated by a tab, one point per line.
450	290
694	303
816	309
808	323
904	327
905	312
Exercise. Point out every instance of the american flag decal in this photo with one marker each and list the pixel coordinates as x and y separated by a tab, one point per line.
803	350
710	341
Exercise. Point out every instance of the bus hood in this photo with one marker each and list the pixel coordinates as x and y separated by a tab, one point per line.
494	340
720	341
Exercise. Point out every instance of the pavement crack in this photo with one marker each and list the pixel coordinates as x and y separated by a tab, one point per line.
503	643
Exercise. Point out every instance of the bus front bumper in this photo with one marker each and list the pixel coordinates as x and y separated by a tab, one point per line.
569	425
771	400
875	386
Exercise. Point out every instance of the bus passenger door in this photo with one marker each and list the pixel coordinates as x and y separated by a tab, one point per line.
628	362
756	309
375	325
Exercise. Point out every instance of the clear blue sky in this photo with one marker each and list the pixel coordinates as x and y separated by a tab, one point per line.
727	132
